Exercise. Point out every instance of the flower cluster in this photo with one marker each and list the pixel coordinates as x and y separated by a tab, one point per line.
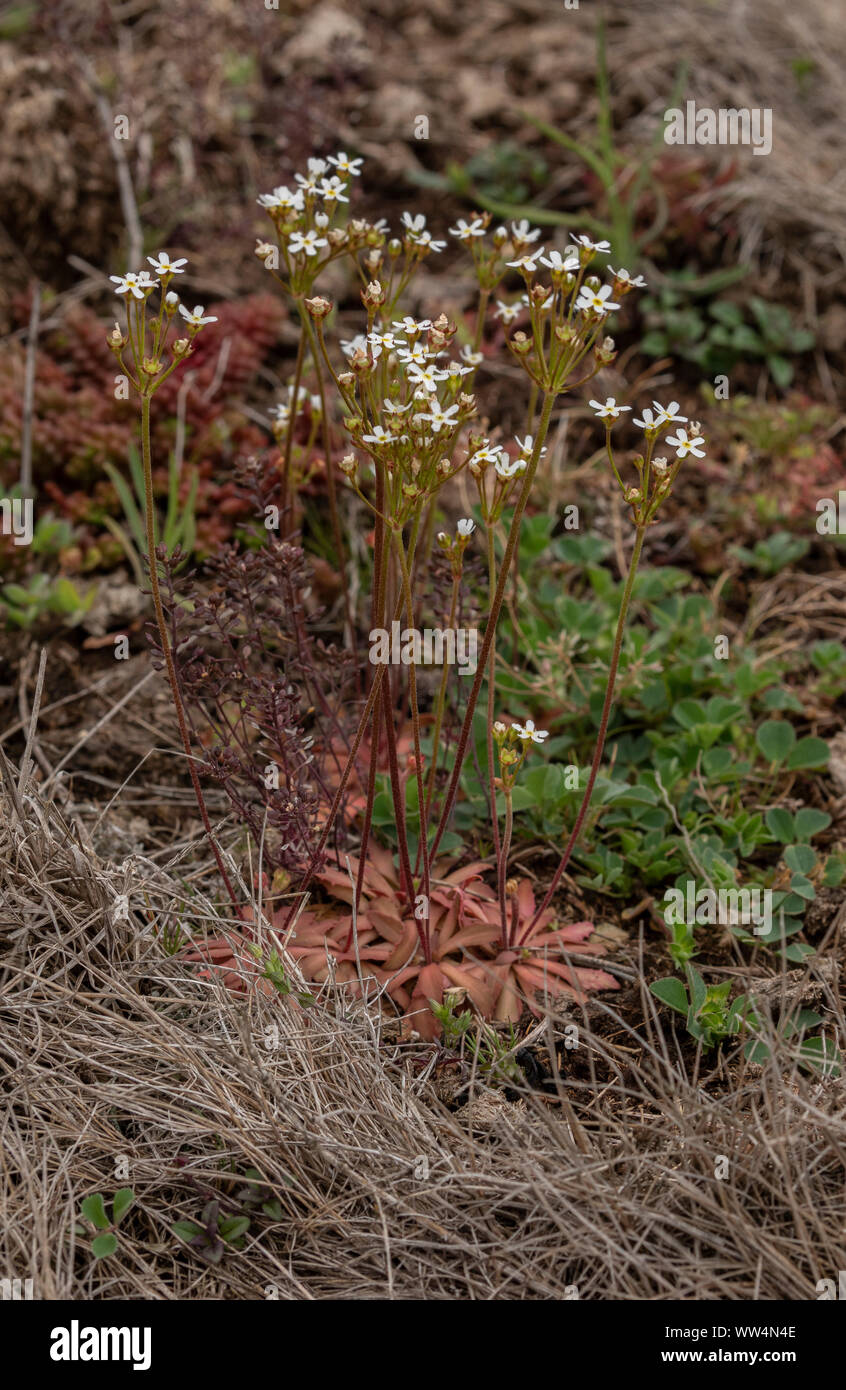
656	474
514	743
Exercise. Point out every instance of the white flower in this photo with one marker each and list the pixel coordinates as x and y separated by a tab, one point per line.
163	265
418	352
601	246
290	200
523	232
394	408
529	734
282	413
509	468
465	231
426	378
413	224
437	415
555	262
171	298
457	369
636	282
321	221
610	410
425	239
138	284
350	346
470	357
306	241
684	445
197	318
379	436
667	414
412	326
648	423
487	453
345	165
465	527
527	262
383	342
595	303
333	190
316	169
527	445
507	312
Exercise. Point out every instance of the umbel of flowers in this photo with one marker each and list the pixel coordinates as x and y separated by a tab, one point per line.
402	390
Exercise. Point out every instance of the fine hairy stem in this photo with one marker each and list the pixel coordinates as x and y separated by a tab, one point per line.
493	618
164	639
601	733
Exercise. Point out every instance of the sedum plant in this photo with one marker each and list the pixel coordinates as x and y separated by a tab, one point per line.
395	411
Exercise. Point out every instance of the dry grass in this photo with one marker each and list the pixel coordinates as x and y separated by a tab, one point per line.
110	1048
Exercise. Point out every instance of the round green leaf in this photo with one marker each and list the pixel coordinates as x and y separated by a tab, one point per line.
780	824
671	991
800	858
809	752
104	1245
809	822
775	738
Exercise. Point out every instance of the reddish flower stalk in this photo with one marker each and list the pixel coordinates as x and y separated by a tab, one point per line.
601	733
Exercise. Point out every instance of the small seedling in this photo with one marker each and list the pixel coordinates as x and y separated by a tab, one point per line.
93	1215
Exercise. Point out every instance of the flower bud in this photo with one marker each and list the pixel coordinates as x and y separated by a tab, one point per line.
373	295
318	307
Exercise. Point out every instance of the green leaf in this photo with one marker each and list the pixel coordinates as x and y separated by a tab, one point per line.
809	822
809	752
186	1230
94	1210
121	1202
233	1226
803	886
780	824
801	858
775	738
671	991
103	1246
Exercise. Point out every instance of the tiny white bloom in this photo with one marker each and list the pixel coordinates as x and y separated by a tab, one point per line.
667	414
171	298
527	445
412	327
610	410
457	369
425	239
636	282
648	423
527	262
316	169
487	453
465	231
138	284
437	415
556	262
333	190
684	445
528	733
198	317
426	378
470	357
509	468
163	265
418	352
507	312
414	224
383	342
395	408
350	346
345	165
521	231
601	246
307	242
595	303
289	200
466	527
379	436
